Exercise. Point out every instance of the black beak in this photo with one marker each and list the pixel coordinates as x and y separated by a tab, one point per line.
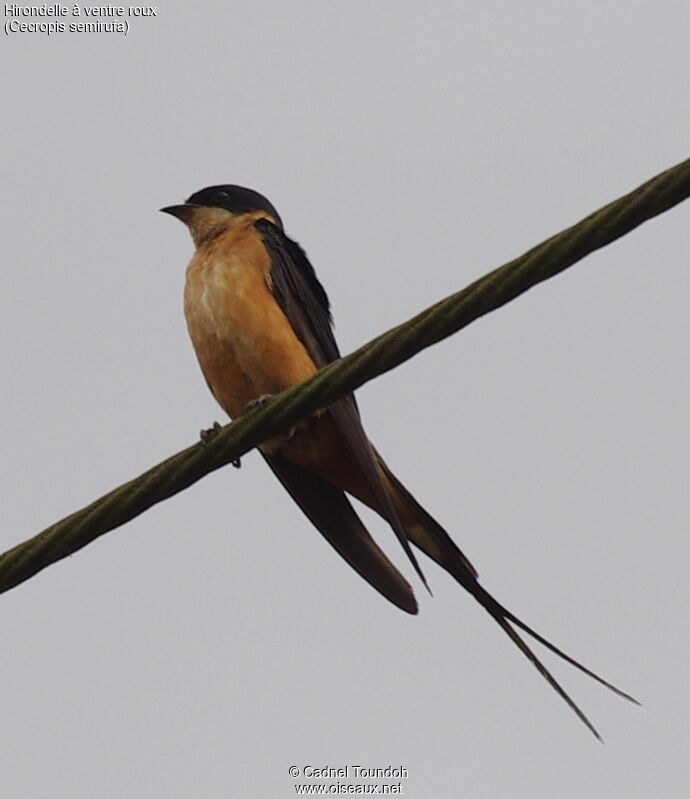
182	212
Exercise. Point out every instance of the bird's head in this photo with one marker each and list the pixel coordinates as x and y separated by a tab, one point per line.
215	208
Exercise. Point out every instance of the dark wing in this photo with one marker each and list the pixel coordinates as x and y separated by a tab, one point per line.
304	301
331	513
300	294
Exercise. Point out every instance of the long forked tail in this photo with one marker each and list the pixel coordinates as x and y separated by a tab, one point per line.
428	535
505	618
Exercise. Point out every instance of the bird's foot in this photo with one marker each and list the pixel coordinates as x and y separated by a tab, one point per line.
207	434
259	402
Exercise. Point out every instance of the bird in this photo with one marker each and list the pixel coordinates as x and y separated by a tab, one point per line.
260	322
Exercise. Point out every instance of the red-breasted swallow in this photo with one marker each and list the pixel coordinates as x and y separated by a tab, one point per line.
260	322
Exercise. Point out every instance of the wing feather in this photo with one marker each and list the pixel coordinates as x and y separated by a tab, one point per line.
304	301
331	513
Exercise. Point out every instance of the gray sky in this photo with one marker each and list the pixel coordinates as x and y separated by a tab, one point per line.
217	640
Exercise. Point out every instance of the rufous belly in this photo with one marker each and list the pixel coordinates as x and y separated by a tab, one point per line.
245	344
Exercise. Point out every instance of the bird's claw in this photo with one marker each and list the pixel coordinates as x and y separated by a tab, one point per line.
259	402
207	434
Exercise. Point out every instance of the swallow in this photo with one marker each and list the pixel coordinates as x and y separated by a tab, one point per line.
260	322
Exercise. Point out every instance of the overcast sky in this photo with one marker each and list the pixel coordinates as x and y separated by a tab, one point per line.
217	640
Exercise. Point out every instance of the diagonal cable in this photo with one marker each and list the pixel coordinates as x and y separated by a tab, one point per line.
378	356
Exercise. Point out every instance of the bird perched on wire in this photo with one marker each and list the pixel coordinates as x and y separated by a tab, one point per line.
260	322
